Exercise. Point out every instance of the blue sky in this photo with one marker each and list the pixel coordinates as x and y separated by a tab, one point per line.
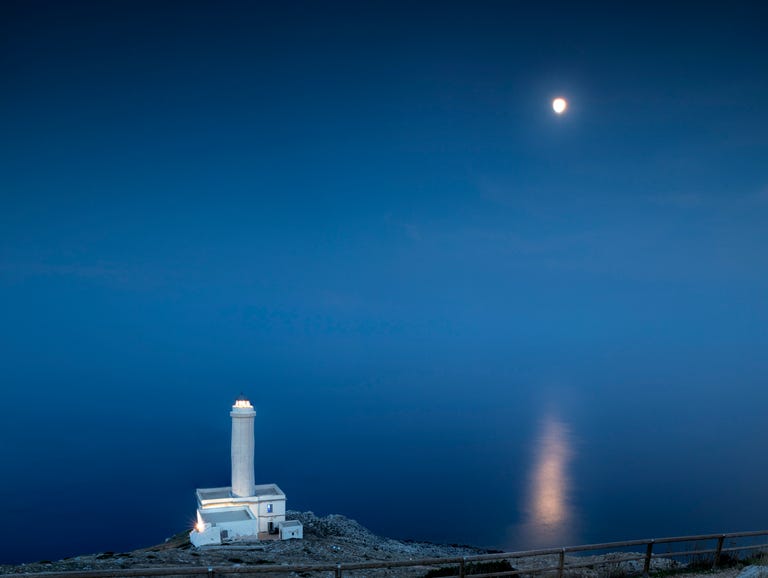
198	199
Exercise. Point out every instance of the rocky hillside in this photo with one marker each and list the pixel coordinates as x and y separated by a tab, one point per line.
331	539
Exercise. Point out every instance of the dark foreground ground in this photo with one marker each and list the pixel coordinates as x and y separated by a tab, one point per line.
327	540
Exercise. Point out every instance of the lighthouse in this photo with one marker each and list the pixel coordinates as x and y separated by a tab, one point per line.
243	415
243	511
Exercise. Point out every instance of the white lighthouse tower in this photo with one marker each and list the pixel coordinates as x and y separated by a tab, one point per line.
243	414
242	511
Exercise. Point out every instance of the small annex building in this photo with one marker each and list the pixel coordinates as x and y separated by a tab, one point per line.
242	511
291	529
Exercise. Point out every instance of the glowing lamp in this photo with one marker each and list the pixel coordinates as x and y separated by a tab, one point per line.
242	403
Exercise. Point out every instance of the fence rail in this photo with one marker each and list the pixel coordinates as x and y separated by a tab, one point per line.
465	565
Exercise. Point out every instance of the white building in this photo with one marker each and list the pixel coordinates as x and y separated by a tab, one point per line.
291	529
242	510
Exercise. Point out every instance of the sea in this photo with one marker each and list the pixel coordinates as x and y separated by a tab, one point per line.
497	460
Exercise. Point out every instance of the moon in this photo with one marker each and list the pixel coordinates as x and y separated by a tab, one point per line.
559	105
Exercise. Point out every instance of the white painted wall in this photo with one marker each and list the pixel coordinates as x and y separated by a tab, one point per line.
265	516
240	529
278	507
208	537
291	531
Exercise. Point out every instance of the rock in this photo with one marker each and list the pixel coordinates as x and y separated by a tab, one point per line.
328	539
754	572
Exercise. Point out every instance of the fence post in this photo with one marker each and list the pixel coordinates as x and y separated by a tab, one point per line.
648	556
210	571
338	570
716	561
462	568
561	564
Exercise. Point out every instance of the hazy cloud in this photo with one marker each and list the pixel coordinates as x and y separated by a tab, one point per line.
134	277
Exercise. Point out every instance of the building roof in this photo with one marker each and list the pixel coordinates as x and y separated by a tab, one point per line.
214	493
290	524
226	515
268	490
262	491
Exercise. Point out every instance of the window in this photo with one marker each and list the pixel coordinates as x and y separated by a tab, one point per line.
269	508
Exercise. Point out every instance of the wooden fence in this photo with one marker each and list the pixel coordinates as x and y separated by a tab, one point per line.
719	546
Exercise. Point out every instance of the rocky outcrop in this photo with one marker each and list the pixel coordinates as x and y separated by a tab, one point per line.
329	540
754	572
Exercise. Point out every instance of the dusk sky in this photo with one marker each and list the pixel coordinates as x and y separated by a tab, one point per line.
367	217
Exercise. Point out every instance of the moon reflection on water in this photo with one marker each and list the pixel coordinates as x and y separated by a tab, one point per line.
549	517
